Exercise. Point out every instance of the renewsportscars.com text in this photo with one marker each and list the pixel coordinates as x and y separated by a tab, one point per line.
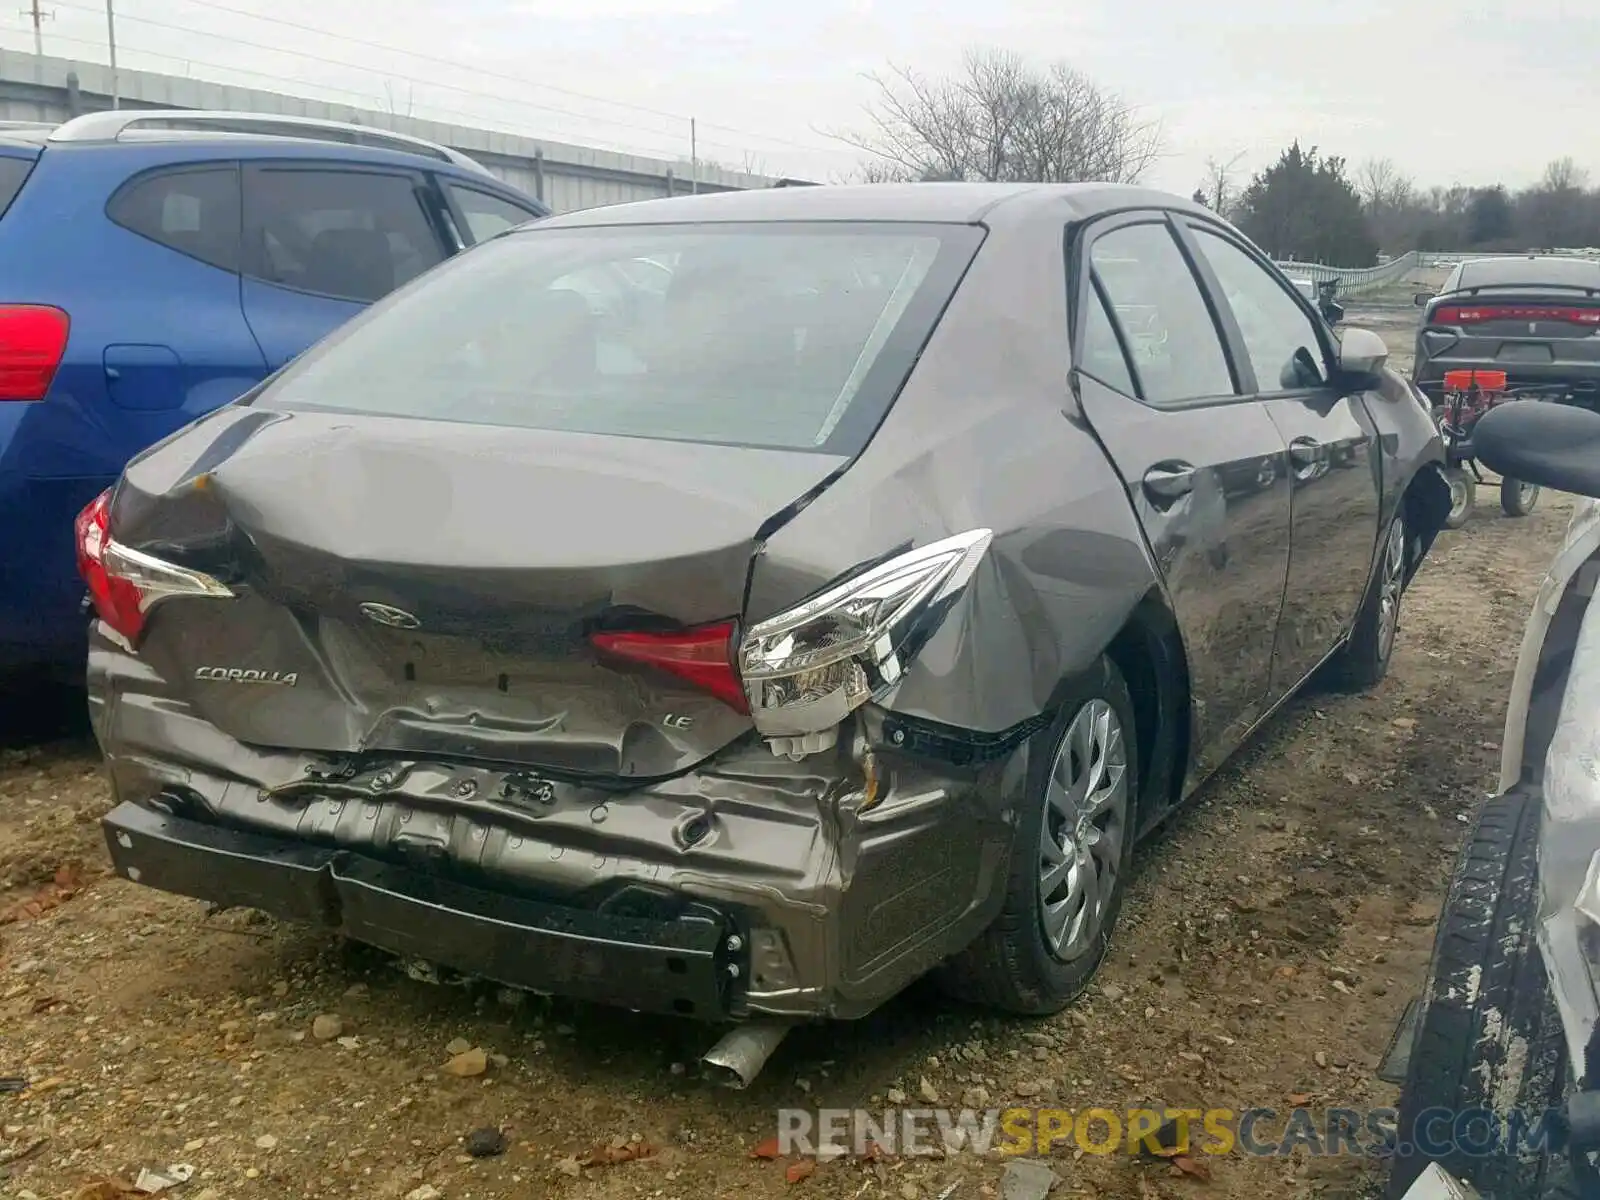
1256	1132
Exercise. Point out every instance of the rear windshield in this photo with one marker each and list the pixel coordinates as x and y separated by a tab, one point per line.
14	173
1529	272
791	336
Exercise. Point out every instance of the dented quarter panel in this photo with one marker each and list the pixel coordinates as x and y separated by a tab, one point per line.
987	434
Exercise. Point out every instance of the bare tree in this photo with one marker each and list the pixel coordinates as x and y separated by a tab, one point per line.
1001	119
1382	187
1564	175
1219	190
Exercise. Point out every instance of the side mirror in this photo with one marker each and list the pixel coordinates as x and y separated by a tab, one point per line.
1420	299
1553	445
1362	354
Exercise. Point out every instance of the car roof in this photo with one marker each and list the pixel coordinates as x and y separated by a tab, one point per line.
947	203
1528	270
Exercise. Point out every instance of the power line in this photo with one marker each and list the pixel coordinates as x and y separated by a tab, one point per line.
345	65
447	62
367	100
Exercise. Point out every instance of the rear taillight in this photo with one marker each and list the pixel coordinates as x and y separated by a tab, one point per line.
125	584
1458	314
801	673
702	656
33	338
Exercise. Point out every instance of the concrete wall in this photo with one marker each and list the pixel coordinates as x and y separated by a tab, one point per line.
564	176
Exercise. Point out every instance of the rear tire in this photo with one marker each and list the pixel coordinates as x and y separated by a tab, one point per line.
1463	496
1518	499
1489	1038
1015	966
1364	661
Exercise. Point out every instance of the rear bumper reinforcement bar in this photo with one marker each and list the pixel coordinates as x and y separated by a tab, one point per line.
681	965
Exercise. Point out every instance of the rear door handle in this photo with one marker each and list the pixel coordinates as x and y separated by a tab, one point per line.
1169	480
1307	452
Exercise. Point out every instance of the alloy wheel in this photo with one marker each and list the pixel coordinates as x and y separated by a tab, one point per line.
1084	830
1391	585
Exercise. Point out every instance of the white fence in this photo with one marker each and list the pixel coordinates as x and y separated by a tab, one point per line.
1356	281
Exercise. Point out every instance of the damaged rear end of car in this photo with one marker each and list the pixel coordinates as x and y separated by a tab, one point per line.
444	637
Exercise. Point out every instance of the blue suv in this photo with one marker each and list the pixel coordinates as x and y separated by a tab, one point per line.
155	265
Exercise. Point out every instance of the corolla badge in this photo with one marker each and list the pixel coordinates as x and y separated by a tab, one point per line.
386	614
247	675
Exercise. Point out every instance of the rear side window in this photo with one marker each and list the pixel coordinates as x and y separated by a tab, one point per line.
351	235
487	215
1102	354
192	211
792	336
1162	313
14	173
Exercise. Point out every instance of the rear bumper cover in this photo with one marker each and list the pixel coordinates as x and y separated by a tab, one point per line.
835	899
684	967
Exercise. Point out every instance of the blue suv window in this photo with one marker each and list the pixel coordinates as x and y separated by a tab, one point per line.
486	214
349	234
14	173
194	211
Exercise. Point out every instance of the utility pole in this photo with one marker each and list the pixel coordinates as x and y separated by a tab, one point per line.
38	15
111	42
694	160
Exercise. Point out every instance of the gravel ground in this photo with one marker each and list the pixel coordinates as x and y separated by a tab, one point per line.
1273	935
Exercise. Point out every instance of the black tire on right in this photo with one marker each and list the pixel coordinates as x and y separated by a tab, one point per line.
1463	496
1489	1037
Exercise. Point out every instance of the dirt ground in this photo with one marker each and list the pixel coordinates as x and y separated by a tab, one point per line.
1272	937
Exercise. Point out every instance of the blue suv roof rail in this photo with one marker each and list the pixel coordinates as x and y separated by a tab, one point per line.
142	124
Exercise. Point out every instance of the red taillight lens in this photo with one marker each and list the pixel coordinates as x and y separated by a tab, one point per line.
703	656
33	338
116	600
1457	314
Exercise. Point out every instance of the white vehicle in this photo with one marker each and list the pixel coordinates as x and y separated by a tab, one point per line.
1502	1080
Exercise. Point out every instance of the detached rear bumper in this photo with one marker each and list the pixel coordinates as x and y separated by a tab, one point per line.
687	966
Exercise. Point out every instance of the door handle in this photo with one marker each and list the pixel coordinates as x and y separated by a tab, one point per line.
1169	480
1307	452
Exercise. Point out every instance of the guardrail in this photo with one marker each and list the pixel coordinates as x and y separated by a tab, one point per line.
1443	258
1355	281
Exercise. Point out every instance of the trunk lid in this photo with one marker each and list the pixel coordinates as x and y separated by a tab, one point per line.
416	587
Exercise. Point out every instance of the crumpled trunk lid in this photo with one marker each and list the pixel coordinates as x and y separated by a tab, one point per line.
422	588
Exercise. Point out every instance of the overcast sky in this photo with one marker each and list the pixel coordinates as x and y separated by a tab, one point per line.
1468	91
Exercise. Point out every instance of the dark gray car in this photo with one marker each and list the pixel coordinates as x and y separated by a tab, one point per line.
837	603
1537	318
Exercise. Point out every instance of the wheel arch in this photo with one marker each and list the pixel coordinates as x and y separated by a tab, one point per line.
1424	505
1148	649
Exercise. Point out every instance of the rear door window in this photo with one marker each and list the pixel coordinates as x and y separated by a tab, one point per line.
1162	313
785	335
193	210
486	214
1102	354
14	172
348	234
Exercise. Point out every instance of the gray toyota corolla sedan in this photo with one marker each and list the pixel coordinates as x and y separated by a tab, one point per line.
739	606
